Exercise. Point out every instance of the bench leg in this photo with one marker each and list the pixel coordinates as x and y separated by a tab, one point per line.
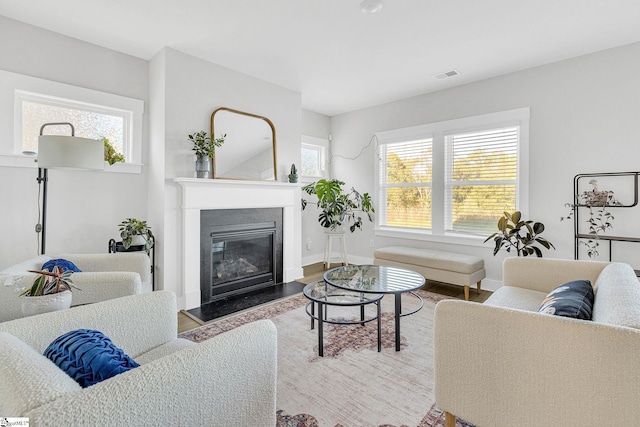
466	293
479	284
449	420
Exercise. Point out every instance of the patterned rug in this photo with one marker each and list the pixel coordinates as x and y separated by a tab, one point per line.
353	384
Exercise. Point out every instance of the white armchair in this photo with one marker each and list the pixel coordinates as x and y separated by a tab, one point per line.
104	276
229	380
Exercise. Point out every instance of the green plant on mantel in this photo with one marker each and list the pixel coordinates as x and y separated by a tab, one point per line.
204	145
600	219
519	235
337	207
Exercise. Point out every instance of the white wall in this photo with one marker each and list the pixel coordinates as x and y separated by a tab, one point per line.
192	89
84	207
584	118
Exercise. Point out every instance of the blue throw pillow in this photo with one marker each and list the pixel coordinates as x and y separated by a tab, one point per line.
572	299
88	356
62	263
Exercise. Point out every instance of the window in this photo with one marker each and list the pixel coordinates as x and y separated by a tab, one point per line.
89	121
450	180
94	114
313	157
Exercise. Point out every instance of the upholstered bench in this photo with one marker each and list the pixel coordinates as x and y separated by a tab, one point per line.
440	266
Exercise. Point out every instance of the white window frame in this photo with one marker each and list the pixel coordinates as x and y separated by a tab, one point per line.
19	88
437	131
323	146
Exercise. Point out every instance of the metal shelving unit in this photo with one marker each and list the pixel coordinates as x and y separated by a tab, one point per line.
576	213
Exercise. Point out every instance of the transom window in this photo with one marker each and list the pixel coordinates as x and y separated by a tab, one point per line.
89	121
453	179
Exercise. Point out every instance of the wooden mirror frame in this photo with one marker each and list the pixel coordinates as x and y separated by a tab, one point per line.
255	116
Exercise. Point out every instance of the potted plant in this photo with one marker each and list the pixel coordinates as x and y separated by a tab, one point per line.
50	291
111	156
599	218
337	207
293	176
136	236
204	145
510	236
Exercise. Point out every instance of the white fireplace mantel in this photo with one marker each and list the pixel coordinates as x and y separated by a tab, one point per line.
201	194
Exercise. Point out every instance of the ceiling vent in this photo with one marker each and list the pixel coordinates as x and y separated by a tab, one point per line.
446	74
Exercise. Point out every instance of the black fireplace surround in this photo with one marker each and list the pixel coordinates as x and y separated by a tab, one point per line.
240	251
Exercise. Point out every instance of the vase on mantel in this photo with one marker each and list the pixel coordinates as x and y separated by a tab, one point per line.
203	167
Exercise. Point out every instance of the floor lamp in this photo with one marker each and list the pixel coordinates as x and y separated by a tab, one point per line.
64	152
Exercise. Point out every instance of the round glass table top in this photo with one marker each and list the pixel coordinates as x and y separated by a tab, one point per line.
323	292
374	278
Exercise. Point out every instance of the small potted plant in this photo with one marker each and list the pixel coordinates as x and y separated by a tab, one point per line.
50	291
337	207
204	145
136	236
510	236
293	176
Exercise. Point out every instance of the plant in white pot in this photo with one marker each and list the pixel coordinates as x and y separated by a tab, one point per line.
136	235
204	145
338	208
50	291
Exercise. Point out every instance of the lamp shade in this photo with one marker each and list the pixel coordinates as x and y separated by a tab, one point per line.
57	151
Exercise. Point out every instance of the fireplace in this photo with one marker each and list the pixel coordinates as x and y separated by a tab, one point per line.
241	250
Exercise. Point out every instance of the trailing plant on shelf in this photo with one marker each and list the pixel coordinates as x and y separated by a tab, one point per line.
519	235
131	227
49	282
111	156
339	208
599	218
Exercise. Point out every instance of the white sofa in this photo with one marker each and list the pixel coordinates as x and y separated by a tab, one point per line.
229	380
104	276
502	363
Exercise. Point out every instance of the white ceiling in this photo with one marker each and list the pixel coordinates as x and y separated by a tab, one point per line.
337	57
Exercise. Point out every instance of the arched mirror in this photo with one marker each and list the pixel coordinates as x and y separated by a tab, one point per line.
249	149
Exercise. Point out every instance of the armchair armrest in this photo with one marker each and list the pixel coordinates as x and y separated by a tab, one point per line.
229	380
503	367
104	285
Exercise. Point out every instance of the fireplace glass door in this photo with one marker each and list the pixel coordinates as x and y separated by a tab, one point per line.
242	257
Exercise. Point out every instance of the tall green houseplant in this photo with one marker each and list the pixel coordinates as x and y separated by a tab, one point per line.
519	236
339	208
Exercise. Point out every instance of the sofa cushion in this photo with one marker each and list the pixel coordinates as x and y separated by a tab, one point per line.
516	298
60	263
88	356
164	350
617	300
572	299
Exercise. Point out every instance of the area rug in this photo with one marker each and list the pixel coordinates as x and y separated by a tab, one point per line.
353	384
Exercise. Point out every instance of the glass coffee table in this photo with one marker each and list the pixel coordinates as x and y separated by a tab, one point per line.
322	293
379	279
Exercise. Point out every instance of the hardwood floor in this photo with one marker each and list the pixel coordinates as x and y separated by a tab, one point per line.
315	272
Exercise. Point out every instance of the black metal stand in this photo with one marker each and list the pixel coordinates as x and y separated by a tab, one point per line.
42	179
118	247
